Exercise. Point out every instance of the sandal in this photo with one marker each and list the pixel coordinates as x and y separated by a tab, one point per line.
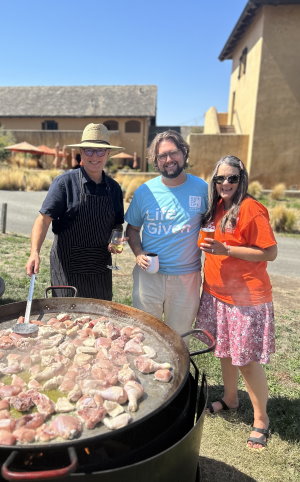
262	440
211	410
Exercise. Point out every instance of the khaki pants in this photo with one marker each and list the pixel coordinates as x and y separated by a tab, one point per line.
173	298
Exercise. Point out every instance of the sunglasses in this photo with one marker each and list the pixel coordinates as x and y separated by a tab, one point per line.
231	179
90	152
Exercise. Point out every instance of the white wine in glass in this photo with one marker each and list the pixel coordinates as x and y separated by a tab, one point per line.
116	239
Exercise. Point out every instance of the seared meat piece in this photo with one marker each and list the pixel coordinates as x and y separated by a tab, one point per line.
31	420
8	424
134	391
113	408
134	346
82	358
15	380
89	401
163	375
24	435
8	391
53	383
44	405
111	330
90	350
67	349
7	438
105	376
118	356
33	384
117	422
6	342
52	341
147	365
63	405
4	404
63	316
4	413
13	358
103	341
49	372
66	426
125	374
22	402
91	416
74	394
9	369
115	394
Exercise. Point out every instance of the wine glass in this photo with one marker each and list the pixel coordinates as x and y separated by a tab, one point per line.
116	239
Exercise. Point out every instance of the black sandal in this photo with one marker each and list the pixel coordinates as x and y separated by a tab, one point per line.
262	440
211	408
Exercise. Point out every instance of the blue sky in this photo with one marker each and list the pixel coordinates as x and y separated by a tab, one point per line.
172	44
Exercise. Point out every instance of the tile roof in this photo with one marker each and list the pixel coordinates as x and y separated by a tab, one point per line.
79	101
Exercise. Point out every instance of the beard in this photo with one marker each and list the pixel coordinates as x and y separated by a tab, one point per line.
172	175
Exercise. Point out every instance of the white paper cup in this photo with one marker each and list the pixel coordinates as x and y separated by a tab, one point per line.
153	263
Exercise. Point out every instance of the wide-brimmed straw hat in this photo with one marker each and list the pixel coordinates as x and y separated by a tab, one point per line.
96	135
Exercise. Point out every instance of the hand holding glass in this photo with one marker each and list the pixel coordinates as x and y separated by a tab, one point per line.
206	232
117	242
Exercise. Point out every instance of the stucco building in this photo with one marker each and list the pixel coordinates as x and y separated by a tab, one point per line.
262	125
51	114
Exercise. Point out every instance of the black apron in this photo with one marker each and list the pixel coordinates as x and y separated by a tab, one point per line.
79	255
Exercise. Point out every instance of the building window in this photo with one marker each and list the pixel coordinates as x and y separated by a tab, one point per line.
243	62
49	125
111	125
132	126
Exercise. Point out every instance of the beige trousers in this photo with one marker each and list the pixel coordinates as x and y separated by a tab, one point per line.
172	298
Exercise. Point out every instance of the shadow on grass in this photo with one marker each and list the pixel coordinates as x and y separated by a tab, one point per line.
213	470
283	413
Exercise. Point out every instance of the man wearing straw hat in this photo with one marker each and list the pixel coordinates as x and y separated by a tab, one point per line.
84	205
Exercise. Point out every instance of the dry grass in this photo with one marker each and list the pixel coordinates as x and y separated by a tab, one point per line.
278	192
255	188
19	179
284	219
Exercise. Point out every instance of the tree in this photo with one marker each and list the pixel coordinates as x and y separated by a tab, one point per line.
6	139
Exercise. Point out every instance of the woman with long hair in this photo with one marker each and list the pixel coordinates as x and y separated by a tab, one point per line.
236	303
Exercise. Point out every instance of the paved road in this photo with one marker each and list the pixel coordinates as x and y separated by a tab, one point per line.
22	209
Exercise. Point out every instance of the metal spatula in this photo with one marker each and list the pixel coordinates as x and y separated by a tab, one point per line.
27	328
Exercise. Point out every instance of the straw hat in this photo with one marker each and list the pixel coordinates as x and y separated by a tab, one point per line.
96	135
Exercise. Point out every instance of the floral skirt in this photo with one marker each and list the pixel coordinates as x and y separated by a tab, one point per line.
242	333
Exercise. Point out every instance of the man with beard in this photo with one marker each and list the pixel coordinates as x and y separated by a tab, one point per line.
169	208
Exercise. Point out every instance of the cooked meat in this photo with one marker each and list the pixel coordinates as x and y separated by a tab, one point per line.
117	422
134	392
163	375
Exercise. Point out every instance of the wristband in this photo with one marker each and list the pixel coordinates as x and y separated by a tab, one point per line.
228	250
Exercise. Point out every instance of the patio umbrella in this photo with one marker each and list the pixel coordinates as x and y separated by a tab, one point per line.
49	151
24	147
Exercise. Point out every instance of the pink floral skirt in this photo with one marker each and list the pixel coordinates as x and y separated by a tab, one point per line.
242	333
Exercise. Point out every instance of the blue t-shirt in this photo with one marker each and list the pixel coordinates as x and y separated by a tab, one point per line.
171	218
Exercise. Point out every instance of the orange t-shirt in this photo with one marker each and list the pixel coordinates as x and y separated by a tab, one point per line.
232	280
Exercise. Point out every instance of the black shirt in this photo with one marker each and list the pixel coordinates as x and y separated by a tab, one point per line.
63	198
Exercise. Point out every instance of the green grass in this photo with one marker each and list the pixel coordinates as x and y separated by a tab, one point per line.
223	452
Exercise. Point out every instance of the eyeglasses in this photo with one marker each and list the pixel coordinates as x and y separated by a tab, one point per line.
90	152
231	179
171	154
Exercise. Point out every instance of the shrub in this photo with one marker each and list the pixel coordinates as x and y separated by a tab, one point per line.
255	188
283	219
6	139
278	192
133	185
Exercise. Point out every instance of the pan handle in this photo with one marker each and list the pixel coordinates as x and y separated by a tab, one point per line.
211	347
61	287
42	474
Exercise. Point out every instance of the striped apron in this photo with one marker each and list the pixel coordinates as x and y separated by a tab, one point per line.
79	255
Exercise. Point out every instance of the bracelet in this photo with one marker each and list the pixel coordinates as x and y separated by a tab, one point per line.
228	250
